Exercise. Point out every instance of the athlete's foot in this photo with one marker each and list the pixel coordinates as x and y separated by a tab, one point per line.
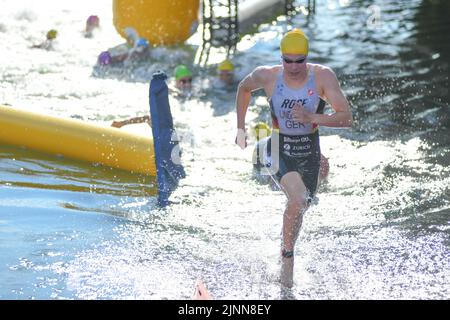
287	294
287	272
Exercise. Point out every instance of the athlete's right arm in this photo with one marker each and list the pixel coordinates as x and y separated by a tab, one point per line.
253	81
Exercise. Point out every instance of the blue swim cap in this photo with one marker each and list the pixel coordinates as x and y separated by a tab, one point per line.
142	42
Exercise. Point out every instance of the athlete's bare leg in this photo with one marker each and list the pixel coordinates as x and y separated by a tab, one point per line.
296	205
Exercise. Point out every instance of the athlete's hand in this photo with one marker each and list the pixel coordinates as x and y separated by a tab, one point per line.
201	293
241	138
300	114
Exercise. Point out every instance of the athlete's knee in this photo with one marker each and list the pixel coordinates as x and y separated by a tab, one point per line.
297	203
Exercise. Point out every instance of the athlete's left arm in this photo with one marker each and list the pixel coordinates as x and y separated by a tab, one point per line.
330	90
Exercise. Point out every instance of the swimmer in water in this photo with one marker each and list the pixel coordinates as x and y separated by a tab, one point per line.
49	41
225	72
135	48
92	24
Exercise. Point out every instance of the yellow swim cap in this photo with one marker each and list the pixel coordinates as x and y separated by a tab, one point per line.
261	130
294	42
51	34
225	65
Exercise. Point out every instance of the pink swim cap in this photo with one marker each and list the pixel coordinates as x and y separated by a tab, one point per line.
93	21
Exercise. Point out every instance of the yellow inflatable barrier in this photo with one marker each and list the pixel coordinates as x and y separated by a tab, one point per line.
77	140
162	22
